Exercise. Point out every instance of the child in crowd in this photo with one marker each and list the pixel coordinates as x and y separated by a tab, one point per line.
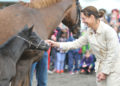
61	54
53	53
87	63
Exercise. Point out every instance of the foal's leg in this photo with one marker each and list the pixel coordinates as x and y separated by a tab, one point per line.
23	68
26	81
4	83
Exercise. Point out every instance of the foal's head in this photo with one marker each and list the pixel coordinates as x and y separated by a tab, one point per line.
32	39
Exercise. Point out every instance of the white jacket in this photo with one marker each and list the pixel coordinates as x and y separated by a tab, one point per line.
104	45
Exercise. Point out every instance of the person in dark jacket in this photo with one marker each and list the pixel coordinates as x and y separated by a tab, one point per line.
87	63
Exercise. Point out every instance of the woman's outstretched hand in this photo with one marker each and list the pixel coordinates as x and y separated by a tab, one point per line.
52	43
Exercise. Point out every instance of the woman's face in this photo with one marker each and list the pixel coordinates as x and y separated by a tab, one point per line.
89	21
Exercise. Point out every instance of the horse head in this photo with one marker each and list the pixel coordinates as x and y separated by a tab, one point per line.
32	39
72	19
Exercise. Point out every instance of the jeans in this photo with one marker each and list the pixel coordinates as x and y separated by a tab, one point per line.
41	71
60	61
73	57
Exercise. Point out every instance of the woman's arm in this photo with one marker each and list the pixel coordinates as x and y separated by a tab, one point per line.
83	40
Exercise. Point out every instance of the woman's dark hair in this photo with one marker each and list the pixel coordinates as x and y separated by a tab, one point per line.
91	10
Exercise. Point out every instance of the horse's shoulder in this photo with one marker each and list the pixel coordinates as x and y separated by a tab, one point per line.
17	9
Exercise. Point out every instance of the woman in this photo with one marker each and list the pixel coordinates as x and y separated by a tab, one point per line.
104	44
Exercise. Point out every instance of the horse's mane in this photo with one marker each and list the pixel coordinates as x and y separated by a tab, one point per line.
39	3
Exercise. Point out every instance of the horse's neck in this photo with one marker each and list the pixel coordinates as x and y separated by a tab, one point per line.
56	14
13	48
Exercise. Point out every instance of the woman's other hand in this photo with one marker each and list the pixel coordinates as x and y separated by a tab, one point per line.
101	76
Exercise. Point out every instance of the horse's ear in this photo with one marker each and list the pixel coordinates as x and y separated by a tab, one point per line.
31	28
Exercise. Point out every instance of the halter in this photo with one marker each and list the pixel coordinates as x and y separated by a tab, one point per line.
78	21
30	43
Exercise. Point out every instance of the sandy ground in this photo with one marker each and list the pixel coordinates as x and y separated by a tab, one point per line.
66	79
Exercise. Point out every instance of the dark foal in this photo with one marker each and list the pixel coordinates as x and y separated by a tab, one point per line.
11	51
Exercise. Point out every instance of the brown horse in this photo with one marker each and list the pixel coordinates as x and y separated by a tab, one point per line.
45	19
44	14
22	77
72	20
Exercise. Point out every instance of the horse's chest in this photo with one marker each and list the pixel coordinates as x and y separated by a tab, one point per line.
7	69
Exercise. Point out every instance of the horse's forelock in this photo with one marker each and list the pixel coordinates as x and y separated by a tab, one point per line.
40	3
